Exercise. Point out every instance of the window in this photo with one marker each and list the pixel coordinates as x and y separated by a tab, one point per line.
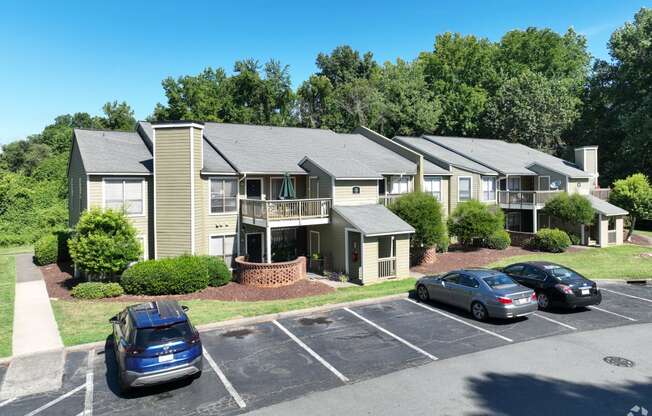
224	195
544	183
468	281
516	270
514	183
464	188
514	221
124	194
356	190
399	185
432	186
488	188
452	278
222	246
534	274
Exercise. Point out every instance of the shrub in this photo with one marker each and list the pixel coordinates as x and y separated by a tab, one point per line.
633	194
97	290
499	240
574	238
574	209
551	240
104	243
474	222
63	236
218	272
424	213
171	276
46	250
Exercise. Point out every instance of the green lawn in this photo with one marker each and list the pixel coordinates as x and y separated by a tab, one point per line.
7	291
16	250
619	262
86	321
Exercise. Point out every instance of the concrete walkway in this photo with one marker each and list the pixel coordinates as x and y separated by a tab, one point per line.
38	356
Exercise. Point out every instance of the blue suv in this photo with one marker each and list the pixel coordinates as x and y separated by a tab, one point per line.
155	343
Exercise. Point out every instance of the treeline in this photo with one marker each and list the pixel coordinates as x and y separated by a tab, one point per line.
533	86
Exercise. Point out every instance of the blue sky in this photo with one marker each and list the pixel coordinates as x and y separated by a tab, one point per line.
64	57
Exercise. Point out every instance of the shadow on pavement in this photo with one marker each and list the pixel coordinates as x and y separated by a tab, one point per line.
519	394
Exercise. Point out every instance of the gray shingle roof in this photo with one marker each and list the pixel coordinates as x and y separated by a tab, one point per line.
214	162
348	169
373	220
605	208
507	158
113	152
265	149
428	148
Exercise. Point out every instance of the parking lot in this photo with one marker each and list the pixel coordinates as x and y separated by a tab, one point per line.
251	367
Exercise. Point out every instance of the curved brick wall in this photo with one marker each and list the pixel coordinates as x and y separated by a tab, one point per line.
270	274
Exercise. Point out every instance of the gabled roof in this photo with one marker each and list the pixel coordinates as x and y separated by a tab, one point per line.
432	150
214	162
266	149
605	208
113	152
373	220
507	158
338	170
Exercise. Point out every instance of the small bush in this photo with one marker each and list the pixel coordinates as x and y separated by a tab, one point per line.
97	290
171	276
551	240
473	222
218	272
499	240
574	238
46	250
424	213
574	209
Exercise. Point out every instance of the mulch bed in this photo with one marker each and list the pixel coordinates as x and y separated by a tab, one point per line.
458	258
59	282
641	240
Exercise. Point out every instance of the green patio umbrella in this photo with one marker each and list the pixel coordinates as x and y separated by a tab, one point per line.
287	189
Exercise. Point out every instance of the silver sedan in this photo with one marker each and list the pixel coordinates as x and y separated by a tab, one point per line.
484	292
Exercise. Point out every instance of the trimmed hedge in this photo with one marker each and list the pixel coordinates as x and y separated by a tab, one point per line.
218	272
499	240
170	276
46	250
97	290
551	240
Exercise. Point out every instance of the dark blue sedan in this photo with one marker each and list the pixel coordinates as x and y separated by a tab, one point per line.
155	343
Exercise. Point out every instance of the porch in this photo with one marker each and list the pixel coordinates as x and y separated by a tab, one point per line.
525	199
285	213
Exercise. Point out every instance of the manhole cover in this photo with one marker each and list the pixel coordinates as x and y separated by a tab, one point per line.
618	361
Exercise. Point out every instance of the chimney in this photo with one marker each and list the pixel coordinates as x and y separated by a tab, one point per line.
586	158
177	149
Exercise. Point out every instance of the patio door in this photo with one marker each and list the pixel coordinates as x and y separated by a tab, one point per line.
254	188
313	187
254	247
354	254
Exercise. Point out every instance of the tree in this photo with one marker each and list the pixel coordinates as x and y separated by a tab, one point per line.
473	222
344	65
532	110
633	194
573	209
424	213
314	98
104	243
117	116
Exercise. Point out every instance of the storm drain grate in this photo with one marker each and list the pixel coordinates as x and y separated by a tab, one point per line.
618	361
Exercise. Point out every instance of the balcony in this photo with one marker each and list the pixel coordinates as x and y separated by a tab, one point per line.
386	200
285	213
387	268
525	199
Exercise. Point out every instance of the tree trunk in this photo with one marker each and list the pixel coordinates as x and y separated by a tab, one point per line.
632	225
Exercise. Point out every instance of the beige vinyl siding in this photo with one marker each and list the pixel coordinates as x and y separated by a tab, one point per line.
77	192
344	192
369	259
201	195
172	179
224	224
325	180
454	186
578	185
402	255
332	244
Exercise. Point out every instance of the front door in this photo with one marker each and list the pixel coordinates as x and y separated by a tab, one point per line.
255	247
254	188
354	254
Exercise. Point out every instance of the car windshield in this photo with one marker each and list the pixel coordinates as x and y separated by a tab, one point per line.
562	274
499	281
161	335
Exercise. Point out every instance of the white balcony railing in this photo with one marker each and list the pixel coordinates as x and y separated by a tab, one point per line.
525	198
288	209
387	267
387	200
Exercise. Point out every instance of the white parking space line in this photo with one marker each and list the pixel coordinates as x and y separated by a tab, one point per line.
572	328
225	381
55	401
88	399
486	331
612	313
625	294
396	337
312	352
6	402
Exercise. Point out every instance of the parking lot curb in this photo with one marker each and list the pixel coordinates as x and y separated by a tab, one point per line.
255	319
627	281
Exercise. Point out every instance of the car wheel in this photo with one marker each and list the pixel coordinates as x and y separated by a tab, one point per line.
479	311
543	301
422	293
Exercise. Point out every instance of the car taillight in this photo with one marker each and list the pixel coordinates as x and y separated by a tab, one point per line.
131	350
195	338
533	297
504	300
565	289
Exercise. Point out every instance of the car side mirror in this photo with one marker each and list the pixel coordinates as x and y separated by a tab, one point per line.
113	319
185	308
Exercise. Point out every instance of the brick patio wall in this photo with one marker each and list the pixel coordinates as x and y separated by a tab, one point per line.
271	274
